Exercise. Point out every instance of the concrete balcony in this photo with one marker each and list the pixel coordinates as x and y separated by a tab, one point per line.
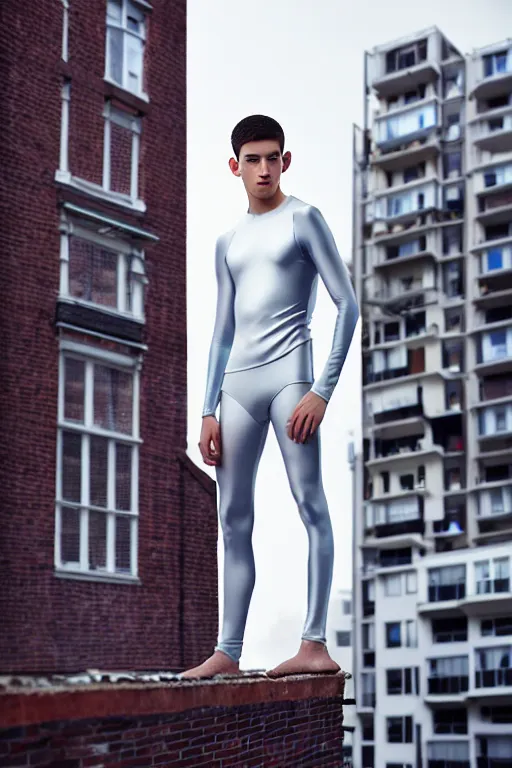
495	365
417	295
386	540
492	86
494	288
400	376
395	426
499	238
495	205
448	686
385	559
496	521
411	340
411	151
495	141
404	221
394	235
423	136
492	683
398	261
428	449
383	498
452	600
407	79
495	599
444	600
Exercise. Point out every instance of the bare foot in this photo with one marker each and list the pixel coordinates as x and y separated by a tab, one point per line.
218	664
312	659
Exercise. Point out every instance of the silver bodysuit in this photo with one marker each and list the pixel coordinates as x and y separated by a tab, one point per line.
260	366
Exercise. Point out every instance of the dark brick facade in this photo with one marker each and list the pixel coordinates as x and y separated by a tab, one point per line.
248	724
58	624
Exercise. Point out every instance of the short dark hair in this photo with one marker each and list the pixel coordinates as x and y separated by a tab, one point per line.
256	128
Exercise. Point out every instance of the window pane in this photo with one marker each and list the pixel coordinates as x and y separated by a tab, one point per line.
393	635
494	259
393	584
412	582
99	471
343	639
70	535
123	476
123	542
134	56
97	541
74	372
92	273
71	466
113	399
120	158
115	52
114	10
411	640
394	681
135	16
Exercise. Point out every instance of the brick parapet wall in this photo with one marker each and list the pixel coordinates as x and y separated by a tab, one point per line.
233	722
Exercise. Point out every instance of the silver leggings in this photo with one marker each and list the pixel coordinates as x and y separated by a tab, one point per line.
250	400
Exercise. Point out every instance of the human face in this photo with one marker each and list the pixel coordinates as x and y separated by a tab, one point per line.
260	166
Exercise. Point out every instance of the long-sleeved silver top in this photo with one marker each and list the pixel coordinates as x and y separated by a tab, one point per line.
267	271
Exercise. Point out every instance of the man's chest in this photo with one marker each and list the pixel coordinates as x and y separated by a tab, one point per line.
262	251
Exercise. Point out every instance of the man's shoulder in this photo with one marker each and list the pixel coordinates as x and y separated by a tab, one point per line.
308	212
224	239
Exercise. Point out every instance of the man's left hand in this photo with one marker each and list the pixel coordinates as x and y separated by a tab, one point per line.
306	418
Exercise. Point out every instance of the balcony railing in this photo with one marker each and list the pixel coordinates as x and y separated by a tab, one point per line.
399	528
459	728
492	586
494	762
439	592
493	678
391	562
448	685
449	764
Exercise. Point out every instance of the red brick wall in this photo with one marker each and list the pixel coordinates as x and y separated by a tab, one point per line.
291	732
48	623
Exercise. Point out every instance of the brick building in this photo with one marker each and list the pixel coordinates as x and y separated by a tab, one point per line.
108	531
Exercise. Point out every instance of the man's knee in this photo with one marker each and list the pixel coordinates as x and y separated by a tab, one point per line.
237	523
312	504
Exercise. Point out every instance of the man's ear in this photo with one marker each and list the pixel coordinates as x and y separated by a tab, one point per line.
235	166
287	158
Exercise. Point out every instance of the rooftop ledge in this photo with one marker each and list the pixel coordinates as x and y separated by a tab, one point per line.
29	701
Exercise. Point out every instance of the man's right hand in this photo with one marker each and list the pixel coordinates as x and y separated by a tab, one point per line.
210	441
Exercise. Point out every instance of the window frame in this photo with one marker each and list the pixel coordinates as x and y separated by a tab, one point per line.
407	729
90	356
130	271
130	123
389	624
110	24
345	634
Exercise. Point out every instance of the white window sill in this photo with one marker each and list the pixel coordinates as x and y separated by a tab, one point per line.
64	177
142	95
112	578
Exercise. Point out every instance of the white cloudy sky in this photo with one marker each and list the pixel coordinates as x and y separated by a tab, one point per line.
301	62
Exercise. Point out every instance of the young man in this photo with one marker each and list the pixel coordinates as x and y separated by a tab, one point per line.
260	369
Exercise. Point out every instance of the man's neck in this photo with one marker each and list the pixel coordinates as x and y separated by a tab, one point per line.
264	206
